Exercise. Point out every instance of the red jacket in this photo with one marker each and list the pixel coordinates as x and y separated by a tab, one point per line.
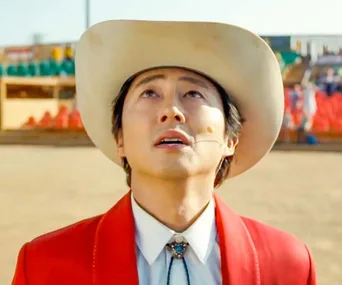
101	251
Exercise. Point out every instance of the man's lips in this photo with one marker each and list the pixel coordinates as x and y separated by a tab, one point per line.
172	137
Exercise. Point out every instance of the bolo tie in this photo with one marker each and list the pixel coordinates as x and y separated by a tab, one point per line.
177	250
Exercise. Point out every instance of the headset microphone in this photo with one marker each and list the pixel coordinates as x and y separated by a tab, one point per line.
213	138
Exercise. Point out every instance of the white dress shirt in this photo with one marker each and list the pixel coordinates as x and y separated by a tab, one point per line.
202	255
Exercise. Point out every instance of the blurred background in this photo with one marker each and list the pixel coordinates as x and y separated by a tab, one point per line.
52	176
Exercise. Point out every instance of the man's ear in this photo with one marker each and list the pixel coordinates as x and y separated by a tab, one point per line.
120	145
229	148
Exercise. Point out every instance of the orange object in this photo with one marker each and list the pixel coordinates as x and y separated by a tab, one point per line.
337	125
61	121
321	124
75	121
63	110
30	123
45	121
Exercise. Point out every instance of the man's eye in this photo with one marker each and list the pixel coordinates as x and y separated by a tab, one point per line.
148	94
194	94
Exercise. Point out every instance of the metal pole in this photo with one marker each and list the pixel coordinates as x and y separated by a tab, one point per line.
87	13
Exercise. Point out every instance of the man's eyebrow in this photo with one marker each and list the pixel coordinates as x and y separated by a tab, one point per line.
192	80
150	78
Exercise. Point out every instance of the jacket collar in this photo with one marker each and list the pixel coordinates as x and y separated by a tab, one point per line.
114	252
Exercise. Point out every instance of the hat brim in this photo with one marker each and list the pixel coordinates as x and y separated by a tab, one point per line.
110	52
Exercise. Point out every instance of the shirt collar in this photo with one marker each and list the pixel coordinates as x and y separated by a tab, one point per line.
152	236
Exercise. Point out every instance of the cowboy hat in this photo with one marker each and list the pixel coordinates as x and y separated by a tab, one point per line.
110	52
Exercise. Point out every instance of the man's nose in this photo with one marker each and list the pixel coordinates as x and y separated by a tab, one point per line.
170	113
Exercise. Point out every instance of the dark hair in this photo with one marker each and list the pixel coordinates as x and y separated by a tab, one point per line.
233	126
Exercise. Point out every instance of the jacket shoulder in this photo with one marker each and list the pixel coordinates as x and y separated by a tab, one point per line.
60	252
79	232
283	258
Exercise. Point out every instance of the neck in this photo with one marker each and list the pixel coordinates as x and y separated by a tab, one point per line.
175	203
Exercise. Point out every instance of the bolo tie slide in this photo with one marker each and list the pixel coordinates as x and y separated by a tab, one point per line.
177	250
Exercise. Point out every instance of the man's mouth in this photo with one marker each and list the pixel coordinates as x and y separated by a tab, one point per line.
171	141
172	138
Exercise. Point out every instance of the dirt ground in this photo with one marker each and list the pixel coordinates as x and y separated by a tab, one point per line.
46	188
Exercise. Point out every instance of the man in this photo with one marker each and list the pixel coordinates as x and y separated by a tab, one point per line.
181	106
295	97
309	109
330	81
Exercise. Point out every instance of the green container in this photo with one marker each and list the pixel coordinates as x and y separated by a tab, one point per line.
68	67
44	68
32	68
54	68
12	70
22	70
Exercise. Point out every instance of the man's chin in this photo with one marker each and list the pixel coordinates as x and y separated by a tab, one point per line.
172	171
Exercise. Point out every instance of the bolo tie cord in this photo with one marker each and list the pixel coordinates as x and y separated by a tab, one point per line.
185	268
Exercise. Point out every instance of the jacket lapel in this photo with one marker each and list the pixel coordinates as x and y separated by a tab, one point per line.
114	255
239	260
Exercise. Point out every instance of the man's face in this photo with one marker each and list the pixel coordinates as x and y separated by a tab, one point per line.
173	125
